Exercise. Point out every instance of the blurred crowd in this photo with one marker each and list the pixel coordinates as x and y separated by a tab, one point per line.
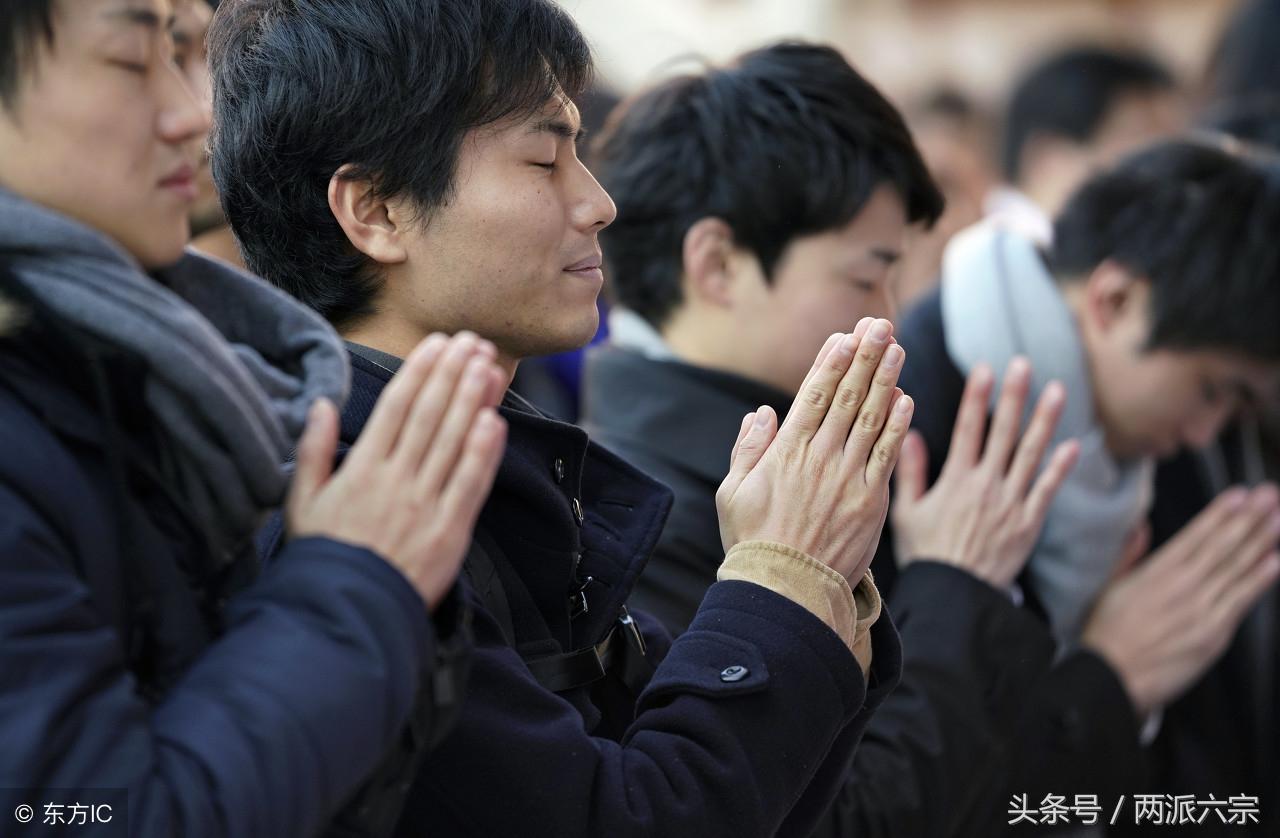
404	434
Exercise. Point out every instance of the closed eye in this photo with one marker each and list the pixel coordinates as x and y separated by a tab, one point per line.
132	67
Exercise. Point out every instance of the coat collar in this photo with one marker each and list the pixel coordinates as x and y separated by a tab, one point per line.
647	402
550	473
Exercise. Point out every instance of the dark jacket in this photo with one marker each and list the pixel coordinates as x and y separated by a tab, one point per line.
743	728
220	700
1078	733
968	653
1221	737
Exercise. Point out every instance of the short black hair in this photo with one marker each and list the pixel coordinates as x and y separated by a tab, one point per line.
787	141
1246	62
1197	217
23	24
1253	119
1070	94
391	87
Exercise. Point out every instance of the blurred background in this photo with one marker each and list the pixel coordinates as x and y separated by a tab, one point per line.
906	46
1012	102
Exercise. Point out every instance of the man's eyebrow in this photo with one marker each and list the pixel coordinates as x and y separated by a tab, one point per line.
142	17
560	127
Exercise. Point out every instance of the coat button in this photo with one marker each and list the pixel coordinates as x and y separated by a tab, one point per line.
559	470
730	674
577	511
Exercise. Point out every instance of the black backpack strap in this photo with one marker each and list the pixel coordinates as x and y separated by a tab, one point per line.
621	653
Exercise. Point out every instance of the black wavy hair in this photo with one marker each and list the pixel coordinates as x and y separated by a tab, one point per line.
1198	218
390	87
1070	93
788	141
23	24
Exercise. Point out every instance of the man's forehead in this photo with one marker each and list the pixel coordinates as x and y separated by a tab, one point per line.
558	111
191	18
152	14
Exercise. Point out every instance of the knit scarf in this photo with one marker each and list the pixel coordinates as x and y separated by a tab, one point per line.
232	364
998	301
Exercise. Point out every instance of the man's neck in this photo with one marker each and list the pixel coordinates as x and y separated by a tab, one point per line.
698	346
399	341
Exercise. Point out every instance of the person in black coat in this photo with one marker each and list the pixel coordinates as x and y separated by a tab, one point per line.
452	198
1172	345
1220	734
151	671
704	333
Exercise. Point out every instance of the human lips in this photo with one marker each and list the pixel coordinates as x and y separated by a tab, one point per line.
182	181
588	268
591	263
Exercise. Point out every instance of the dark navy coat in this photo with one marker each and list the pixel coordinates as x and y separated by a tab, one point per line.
968	654
130	660
745	728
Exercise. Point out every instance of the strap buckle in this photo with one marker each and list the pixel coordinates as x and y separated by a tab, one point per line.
631	630
578	600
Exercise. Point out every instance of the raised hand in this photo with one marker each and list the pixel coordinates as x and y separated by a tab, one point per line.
987	508
1165	622
820	483
412	486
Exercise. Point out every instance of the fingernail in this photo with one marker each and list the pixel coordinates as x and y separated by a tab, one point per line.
880	331
893	356
762	421
863	325
1235	498
845	346
903	406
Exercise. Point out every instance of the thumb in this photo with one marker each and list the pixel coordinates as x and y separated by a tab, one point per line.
752	443
316	450
913	469
747	422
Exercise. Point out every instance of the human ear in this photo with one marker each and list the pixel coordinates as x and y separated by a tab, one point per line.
373	225
708	277
1114	298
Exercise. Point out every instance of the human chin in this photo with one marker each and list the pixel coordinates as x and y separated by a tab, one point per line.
584	327
157	245
574	327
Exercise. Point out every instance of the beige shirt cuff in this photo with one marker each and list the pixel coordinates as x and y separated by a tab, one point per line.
808	582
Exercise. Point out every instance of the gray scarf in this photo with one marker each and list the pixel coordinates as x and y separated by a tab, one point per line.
998	301
232	364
